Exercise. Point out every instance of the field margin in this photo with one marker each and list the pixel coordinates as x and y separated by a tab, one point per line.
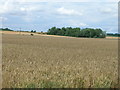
29	33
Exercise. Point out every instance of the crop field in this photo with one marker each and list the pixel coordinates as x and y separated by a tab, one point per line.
58	62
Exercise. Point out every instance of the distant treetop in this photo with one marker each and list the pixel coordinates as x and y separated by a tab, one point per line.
5	29
77	32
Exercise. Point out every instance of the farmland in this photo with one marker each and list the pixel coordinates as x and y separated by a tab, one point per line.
51	62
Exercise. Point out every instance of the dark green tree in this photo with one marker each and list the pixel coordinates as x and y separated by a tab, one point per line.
32	31
77	32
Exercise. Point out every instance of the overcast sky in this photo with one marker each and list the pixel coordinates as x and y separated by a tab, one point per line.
40	15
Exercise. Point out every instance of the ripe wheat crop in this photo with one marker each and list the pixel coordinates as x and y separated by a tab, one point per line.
59	62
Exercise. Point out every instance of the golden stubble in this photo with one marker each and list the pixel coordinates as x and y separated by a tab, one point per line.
40	61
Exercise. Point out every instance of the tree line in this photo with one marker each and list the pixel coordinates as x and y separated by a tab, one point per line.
77	32
115	35
5	29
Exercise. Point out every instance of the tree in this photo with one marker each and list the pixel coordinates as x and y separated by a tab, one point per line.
52	31
31	30
98	32
77	32
7	29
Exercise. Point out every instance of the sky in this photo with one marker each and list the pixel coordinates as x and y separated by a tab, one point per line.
40	15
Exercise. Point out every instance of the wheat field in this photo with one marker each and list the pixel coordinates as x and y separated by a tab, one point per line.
58	62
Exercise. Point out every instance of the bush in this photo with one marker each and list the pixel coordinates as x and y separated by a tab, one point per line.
31	34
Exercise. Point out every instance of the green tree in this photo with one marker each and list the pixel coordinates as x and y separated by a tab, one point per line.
77	32
32	31
52	31
98	32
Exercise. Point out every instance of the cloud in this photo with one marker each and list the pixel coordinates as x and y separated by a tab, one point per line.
32	8
82	24
3	19
106	10
20	8
15	7
69	0
50	13
64	11
109	9
112	29
9	6
77	23
6	6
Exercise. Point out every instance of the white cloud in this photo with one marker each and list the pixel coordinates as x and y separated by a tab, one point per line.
69	0
64	11
6	6
27	11
12	6
110	9
115	15
9	6
30	8
82	24
77	23
112	0
106	10
3	19
27	19
23	9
